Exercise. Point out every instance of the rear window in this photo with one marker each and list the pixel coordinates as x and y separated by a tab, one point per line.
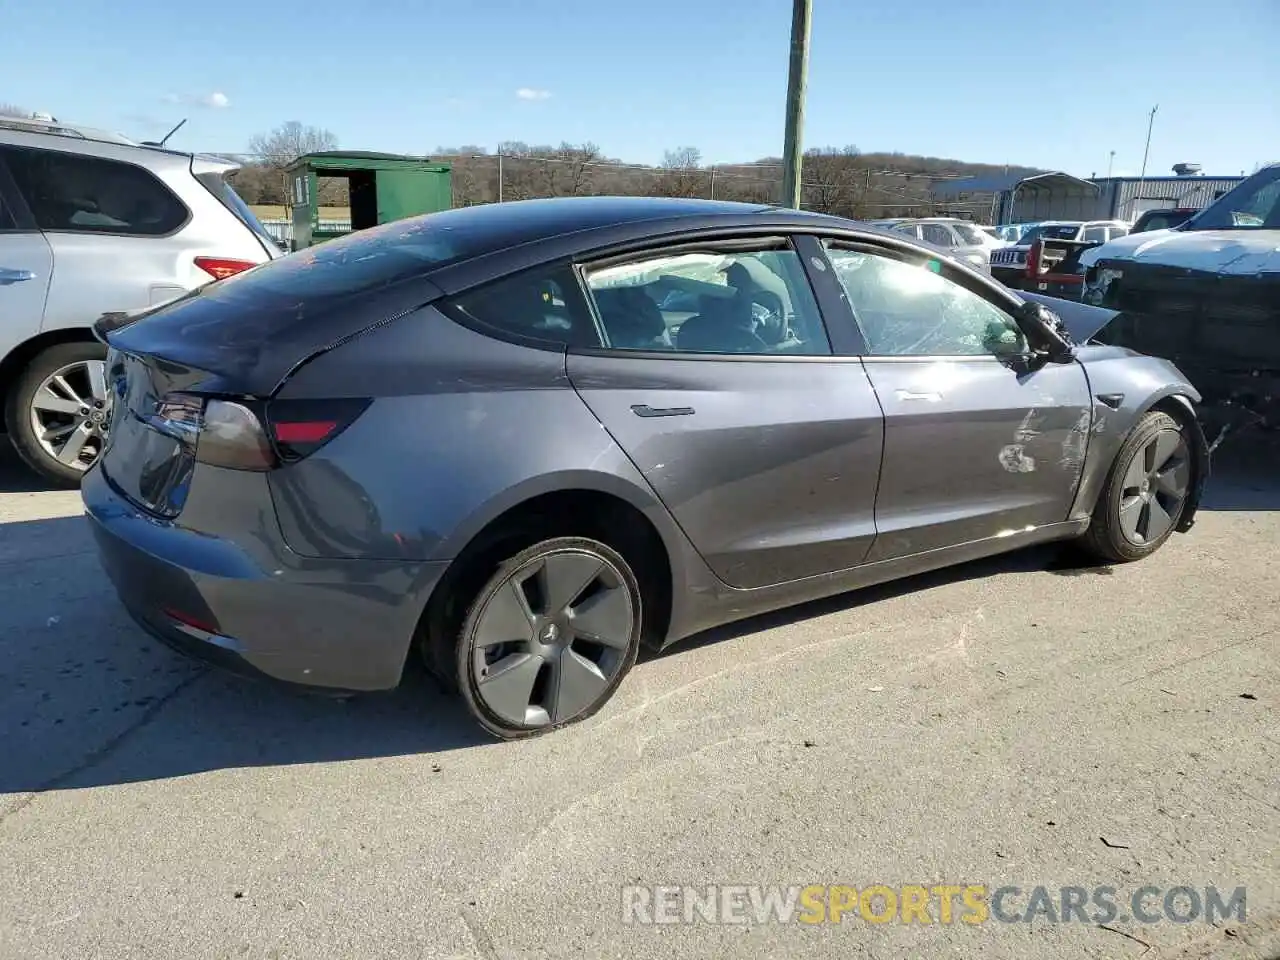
1051	231
216	184
360	261
69	193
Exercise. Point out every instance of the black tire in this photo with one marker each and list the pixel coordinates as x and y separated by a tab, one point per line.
1106	539
17	409
621	655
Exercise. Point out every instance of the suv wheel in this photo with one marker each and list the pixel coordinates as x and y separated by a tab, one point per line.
58	411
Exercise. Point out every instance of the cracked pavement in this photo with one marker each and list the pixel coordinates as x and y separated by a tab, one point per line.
986	724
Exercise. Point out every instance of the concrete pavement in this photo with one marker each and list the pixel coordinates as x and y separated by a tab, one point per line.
991	724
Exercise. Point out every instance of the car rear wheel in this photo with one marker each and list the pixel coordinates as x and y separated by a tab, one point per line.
59	411
549	637
1145	494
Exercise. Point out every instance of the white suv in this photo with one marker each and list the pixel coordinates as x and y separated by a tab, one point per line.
93	223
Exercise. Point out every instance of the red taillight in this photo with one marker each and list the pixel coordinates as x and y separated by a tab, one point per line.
220	267
306	431
186	619
300	427
1033	258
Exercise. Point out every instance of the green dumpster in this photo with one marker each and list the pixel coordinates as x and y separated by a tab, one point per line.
382	187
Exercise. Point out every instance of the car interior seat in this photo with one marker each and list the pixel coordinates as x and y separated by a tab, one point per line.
632	320
721	325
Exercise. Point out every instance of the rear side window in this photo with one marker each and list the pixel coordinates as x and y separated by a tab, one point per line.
938	235
69	193
544	304
968	234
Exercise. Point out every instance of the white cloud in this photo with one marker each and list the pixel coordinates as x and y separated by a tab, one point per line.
531	93
217	100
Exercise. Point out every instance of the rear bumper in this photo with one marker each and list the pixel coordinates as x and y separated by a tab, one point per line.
250	604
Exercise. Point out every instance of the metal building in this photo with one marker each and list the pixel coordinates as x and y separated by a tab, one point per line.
1060	196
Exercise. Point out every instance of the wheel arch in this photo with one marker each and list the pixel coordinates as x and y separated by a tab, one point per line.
569	503
1181	406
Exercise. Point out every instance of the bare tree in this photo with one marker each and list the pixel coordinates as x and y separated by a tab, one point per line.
13	110
289	141
830	176
682	174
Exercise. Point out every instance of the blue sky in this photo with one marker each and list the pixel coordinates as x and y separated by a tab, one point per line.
1003	81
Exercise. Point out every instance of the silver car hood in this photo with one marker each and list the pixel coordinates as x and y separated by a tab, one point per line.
1081	320
1232	252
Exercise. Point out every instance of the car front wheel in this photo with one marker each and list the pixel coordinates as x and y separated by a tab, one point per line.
1145	494
58	412
549	637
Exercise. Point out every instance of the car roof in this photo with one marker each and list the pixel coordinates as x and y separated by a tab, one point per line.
496	240
493	227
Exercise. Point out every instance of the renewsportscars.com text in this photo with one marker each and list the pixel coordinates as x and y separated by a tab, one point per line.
944	904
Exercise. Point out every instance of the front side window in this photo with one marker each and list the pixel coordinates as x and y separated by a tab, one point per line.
752	302
70	193
907	309
1095	234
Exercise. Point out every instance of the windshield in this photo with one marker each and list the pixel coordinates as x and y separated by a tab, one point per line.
1254	204
1051	231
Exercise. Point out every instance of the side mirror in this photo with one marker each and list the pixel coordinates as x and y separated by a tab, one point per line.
1047	333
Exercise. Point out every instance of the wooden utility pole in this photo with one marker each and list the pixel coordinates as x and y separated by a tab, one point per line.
793	149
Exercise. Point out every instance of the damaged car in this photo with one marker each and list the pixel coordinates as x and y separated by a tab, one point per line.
1205	294
525	440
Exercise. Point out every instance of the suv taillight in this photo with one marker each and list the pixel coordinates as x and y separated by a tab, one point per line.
221	267
1033	259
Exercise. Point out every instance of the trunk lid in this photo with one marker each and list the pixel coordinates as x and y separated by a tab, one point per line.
244	334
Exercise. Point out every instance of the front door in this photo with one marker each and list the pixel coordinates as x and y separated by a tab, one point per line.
717	378
973	449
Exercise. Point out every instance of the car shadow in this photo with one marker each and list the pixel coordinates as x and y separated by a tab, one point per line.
16	476
1244	474
88	699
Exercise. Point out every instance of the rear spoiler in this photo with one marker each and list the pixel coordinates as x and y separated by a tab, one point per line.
114	320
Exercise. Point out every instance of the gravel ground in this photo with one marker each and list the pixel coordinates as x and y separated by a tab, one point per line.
991	724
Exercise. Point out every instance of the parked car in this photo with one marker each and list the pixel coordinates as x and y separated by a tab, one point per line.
1011	233
1206	293
584	471
959	237
1163	219
993	233
90	222
1009	265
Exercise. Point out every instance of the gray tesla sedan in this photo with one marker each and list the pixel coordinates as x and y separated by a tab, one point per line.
525	439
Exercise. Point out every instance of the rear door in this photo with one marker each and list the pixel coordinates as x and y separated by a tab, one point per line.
763	444
26	265
973	449
110	226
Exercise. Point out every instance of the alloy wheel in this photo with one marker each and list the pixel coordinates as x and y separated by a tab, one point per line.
551	637
71	413
1155	487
